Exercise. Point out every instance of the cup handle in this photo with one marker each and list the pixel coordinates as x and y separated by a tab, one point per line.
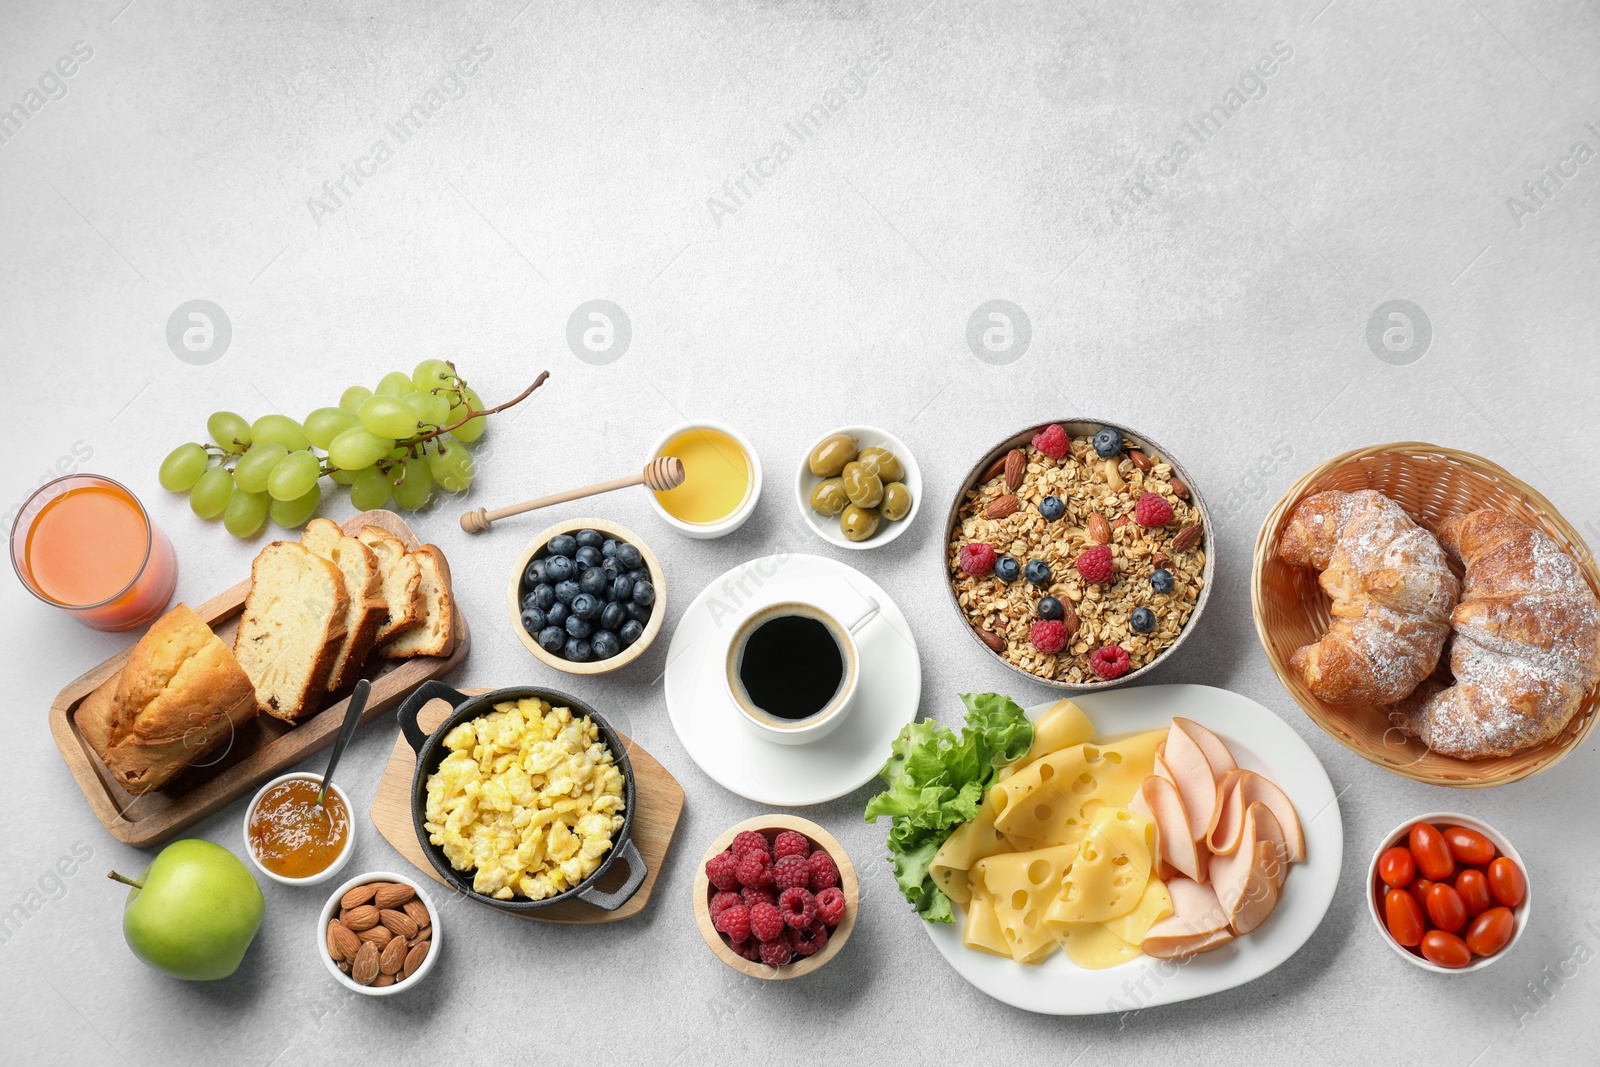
432	689
869	611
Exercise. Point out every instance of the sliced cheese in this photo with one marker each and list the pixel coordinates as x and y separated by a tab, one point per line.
1022	886
1063	726
982	931
1154	905
1092	946
971	842
1053	798
1110	872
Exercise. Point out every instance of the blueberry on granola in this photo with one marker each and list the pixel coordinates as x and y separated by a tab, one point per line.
1049	608
1107	442
1161	581
1038	572
1007	569
1052	508
1143	620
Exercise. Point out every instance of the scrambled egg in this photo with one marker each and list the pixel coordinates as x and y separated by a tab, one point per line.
529	796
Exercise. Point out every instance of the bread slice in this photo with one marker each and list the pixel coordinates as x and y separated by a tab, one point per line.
435	634
292	628
363	583
402	580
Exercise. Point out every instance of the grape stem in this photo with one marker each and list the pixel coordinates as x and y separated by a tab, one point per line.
513	402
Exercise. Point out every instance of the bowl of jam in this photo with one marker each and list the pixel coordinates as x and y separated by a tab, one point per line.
291	838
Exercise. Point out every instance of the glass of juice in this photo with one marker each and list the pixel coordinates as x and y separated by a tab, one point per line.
722	479
84	544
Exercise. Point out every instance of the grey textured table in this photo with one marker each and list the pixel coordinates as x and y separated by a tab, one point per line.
802	207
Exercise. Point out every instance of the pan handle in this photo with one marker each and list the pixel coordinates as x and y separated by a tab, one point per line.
636	876
432	689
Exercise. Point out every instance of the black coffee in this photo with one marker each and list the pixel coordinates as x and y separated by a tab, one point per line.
792	666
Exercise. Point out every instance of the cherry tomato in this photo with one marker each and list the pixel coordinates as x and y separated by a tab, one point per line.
1419	892
1491	931
1403	916
1474	890
1445	907
1396	867
1468	846
1506	882
1431	853
1445	949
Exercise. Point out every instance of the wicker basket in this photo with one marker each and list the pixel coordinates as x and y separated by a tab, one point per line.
1290	609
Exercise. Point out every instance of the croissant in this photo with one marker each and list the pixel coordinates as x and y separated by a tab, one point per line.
1392	592
1526	647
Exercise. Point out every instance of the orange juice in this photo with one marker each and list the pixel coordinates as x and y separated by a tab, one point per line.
716	476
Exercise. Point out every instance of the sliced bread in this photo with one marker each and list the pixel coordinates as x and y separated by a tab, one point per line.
292	628
401	578
435	634
363	583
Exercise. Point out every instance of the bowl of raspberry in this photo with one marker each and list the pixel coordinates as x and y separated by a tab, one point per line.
776	897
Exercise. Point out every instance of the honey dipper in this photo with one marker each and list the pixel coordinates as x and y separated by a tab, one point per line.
660	474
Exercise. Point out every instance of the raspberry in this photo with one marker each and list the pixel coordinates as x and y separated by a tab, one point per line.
977	559
750	896
1048	636
735	922
748	841
1096	565
790	872
1152	510
830	906
755	869
1109	662
824	875
722	869
1052	441
798	907
721	902
809	939
750	949
790	843
766	922
776	953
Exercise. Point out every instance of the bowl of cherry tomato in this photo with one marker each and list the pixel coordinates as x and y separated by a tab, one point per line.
1448	892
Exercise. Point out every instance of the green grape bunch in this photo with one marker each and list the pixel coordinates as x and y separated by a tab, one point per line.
403	441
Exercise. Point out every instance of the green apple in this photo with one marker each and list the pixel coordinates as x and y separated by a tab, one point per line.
194	911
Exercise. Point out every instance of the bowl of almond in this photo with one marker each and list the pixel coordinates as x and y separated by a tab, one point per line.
1078	553
378	934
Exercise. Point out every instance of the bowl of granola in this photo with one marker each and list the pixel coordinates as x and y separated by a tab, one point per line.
1078	553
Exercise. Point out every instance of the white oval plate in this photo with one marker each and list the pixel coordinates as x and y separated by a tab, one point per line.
1259	741
715	734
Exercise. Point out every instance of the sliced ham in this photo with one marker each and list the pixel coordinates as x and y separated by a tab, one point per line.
1197	783
1246	880
1249	788
1227	823
1197	923
1173	842
1216	750
1171	948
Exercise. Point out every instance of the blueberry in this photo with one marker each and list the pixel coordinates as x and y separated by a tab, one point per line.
563	545
637	611
593	581
566	591
529	601
621	588
628	556
1052	508
608	547
557	613
1143	620
610	567
543	596
631	631
552	638
612	617
639	574
1161	580
586	607
1007	569
644	593
577	627
1049	608
590	538
559	568
1038	572
535	574
588	556
1107	442
533	620
606	644
576	649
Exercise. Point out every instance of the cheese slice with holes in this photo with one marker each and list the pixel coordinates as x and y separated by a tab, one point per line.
1053	798
1063	726
971	842
1092	946
1109	875
1154	905
1022	886
982	931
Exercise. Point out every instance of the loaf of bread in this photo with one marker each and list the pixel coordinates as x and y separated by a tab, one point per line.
434	635
363	583
402	581
180	696
292	628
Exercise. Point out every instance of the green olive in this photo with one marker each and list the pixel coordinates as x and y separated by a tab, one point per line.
896	501
863	487
858	523
829	498
831	454
883	463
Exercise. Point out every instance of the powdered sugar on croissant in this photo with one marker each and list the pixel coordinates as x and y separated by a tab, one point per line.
1527	643
1392	591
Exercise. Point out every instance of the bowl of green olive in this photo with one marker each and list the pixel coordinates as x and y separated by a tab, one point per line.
858	487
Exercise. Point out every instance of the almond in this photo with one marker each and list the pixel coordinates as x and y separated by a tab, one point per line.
1140	460
384	979
362	917
1016	467
414	960
358	896
422	935
1179	489
1099	529
1119	522
1159	559
344	965
398	922
365	968
993	640
393	957
417	910
342	944
1004	505
1069	617
392	895
1187	537
378	935
996	469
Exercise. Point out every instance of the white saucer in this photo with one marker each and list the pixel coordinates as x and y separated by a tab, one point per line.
709	725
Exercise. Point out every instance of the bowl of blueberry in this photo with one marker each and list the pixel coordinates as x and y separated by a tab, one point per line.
587	596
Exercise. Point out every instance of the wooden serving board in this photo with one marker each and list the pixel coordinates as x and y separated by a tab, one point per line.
263	749
655	819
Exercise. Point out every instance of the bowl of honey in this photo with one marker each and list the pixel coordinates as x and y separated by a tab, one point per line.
721	483
293	840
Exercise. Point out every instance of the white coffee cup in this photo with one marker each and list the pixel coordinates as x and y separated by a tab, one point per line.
832	713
